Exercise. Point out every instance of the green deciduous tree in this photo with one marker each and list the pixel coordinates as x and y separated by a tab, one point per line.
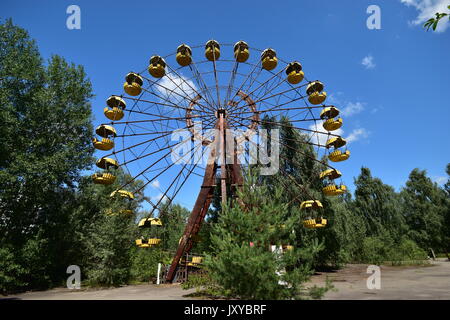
379	204
425	206
45	135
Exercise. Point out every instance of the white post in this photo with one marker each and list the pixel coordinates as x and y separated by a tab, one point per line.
159	271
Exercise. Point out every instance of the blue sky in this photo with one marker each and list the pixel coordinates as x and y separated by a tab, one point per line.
392	84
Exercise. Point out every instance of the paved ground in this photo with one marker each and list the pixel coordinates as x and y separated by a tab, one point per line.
430	282
132	292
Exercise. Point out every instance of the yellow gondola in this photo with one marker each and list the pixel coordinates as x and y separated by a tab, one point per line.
147	243
133	84
338	155
320	222
335	142
269	59
115	108
157	67
329	112
315	86
332	124
103	178
116	102
212	50
330	174
113	114
184	55
317	98
126	211
106	163
148	222
106	131
294	72
311	204
333	190
315	223
123	194
154	241
104	144
196	261
315	92
241	51
311	223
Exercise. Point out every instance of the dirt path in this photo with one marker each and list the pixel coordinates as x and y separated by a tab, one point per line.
430	282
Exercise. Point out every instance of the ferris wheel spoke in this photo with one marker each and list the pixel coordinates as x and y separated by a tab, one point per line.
215	78
170	104
201	82
245	80
231	82
142	121
276	94
153	152
260	84
190	99
284	125
178	188
187	83
166	168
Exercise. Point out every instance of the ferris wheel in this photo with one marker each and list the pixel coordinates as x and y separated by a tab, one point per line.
194	114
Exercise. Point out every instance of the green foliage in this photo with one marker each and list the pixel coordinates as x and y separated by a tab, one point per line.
254	272
174	218
11	272
433	22
45	142
109	243
424	207
144	263
380	249
378	203
317	293
205	286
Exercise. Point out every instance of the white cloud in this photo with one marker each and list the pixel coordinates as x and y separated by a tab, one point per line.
357	134
352	108
321	136
367	62
176	87
440	180
158	197
155	184
427	9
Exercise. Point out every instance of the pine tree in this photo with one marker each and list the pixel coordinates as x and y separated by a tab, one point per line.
242	262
